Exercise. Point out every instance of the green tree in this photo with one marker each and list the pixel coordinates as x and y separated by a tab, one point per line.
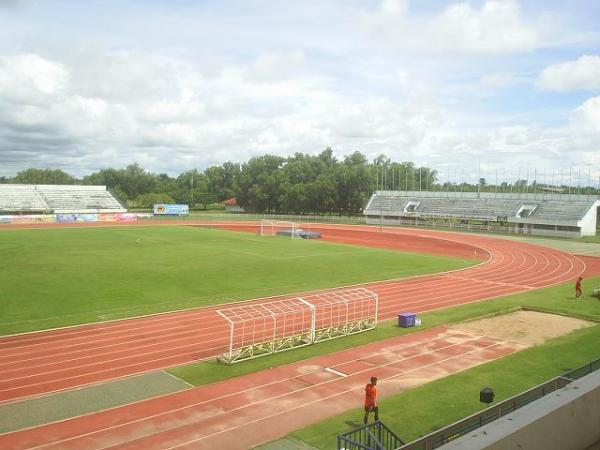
43	176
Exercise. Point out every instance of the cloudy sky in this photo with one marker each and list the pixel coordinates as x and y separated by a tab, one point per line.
174	85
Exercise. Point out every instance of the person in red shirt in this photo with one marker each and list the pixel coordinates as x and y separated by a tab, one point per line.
578	287
371	400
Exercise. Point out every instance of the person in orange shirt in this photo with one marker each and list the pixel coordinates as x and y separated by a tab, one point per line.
371	400
578	287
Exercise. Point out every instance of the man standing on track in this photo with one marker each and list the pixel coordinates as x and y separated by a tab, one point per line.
578	287
371	400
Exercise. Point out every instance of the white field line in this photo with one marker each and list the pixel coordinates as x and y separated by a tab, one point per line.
129	330
489	252
177	410
212	334
326	398
402	346
571	263
220	332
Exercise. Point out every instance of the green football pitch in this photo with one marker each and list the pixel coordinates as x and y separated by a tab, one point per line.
58	277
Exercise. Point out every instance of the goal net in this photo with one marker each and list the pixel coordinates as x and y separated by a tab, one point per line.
261	329
278	228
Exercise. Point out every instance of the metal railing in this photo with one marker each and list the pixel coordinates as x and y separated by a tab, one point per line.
374	436
378	437
477	420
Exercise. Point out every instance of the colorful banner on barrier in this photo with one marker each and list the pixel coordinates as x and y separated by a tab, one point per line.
107	217
76	218
70	218
126	217
29	218
117	217
170	210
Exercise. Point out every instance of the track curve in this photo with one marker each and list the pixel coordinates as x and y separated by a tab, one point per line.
38	363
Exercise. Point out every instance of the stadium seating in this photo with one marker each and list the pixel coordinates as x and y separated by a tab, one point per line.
24	198
58	199
567	211
79	198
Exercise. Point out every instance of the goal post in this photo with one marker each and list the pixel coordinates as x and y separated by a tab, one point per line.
343	312
260	329
278	228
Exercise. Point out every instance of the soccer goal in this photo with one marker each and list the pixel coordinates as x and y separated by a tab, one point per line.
343	312
278	228
260	329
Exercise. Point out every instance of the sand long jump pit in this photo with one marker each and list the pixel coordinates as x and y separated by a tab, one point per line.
526	328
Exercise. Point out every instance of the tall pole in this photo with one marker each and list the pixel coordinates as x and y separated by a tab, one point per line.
589	181
496	184
192	188
561	179
478	179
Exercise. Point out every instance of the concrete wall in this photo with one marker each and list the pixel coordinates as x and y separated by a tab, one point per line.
588	223
567	419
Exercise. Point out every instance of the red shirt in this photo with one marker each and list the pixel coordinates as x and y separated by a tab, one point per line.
578	285
370	395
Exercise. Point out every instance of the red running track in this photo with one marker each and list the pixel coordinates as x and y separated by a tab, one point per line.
38	363
245	411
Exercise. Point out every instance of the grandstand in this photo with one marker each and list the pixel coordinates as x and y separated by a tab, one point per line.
548	214
48	199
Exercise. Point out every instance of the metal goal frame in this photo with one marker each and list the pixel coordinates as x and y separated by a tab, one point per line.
261	329
271	227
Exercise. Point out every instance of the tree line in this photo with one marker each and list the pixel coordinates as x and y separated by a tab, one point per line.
299	184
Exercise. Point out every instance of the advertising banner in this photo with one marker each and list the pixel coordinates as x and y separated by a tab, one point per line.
32	218
170	210
107	217
126	217
88	217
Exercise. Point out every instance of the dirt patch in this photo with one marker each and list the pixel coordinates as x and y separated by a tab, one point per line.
524	327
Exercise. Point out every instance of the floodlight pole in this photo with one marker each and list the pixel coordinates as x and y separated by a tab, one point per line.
381	215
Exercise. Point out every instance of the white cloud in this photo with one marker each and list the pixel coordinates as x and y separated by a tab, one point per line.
587	116
496	28
498	80
28	78
582	74
273	67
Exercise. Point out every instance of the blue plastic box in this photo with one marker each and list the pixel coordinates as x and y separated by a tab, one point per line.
406	320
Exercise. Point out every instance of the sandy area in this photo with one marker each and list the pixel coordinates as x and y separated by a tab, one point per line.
524	327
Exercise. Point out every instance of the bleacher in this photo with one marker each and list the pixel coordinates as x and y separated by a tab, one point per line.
22	198
533	212
483	209
562	210
70	199
17	198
